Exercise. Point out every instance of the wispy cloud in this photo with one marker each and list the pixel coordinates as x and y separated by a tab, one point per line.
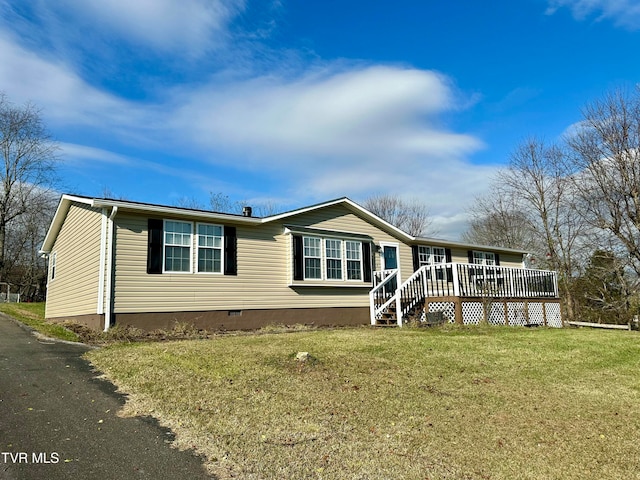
624	13
166	25
326	130
361	112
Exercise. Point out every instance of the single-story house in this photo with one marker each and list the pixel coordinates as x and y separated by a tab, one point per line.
335	263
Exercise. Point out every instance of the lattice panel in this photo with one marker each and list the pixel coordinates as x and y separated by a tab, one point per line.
497	315
472	313
554	317
517	313
536	313
447	308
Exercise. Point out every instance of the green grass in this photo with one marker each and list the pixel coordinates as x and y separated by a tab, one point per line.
452	403
32	314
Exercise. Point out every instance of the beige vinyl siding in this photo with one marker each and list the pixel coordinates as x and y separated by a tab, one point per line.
342	219
264	264
74	291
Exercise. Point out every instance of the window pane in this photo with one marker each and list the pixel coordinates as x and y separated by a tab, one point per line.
438	255
312	268
177	252
353	250
210	248
354	270
176	259
334	269
424	255
311	247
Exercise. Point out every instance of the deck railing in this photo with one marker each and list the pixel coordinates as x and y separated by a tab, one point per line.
383	294
459	280
495	281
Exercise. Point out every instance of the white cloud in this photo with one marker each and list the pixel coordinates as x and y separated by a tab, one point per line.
185	26
55	87
364	113
334	131
624	13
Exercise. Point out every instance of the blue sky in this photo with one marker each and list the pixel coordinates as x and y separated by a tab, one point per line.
297	102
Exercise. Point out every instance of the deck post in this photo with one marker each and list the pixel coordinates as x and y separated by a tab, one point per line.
399	307
458	310
456	280
372	307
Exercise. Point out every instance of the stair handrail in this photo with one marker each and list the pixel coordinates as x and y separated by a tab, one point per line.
418	275
390	274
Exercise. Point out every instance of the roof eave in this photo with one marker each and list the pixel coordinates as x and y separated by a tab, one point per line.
167	210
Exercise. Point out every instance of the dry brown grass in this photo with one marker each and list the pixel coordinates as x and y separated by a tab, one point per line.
452	403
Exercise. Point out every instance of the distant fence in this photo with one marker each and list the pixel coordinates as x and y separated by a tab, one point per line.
610	326
12	298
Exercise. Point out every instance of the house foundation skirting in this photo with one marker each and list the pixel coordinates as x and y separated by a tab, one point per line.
246	319
497	311
94	321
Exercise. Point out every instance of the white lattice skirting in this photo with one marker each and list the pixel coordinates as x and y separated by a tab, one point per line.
514	313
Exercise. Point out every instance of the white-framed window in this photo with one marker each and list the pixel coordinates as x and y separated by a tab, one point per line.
332	259
353	252
312	258
484	258
52	266
210	248
333	255
431	255
177	246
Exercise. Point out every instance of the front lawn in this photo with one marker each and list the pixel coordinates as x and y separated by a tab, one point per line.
451	403
32	314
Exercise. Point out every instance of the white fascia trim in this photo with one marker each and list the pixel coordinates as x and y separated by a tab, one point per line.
58	220
289	229
436	242
173	211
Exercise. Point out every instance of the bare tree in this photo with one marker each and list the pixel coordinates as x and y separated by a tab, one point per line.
24	266
222	203
29	157
534	190
605	288
189	202
495	221
605	158
412	216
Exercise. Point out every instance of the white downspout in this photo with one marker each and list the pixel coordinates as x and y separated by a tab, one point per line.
109	272
103	260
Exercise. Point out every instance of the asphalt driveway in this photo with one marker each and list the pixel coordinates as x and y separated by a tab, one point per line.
58	420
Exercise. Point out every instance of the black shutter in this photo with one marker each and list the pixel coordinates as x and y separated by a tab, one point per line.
154	252
230	251
497	257
298	258
415	251
447	256
470	255
366	258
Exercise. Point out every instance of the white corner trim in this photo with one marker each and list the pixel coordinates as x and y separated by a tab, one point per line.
103	259
109	269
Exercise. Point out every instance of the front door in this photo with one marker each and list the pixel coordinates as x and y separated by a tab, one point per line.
390	259
390	254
